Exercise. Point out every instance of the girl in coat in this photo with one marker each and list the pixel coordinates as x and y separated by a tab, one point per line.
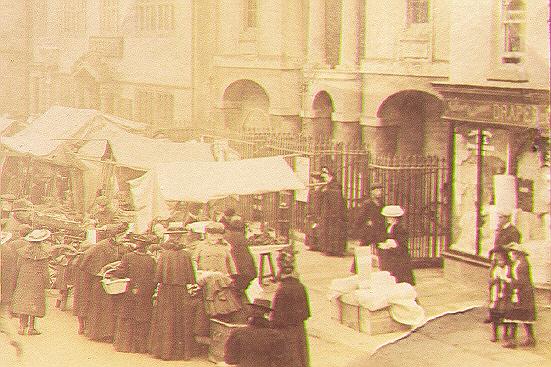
393	253
500	284
522	309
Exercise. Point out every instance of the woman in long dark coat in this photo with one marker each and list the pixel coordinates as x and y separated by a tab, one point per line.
135	306
8	260
290	309
522	308
333	217
100	308
82	290
29	297
172	329
393	253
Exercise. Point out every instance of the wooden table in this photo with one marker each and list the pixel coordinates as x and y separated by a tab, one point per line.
263	255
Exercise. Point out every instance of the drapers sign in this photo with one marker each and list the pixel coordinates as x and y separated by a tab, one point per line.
498	113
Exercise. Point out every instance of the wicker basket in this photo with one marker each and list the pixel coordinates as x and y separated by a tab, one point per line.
114	286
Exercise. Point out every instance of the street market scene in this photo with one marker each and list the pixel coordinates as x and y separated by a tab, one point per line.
316	183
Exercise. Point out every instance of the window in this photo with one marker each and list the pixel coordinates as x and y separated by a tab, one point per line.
109	16
417	11
155	16
74	16
154	107
250	14
513	20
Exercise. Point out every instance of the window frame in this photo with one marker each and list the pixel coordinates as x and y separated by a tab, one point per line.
155	17
509	18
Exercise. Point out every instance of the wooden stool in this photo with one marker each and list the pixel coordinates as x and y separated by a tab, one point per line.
272	273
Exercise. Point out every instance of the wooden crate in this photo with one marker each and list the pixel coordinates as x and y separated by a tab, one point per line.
219	334
370	322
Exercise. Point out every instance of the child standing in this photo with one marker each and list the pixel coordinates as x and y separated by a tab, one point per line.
500	280
522	307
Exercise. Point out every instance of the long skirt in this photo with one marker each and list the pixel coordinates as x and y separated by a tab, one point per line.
172	329
131	336
101	314
297	346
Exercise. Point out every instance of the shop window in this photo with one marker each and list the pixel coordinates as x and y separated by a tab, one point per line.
109	16
417	12
155	16
154	107
513	24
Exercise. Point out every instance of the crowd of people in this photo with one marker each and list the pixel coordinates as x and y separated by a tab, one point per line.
176	280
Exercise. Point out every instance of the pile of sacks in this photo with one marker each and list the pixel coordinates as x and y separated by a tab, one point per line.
376	291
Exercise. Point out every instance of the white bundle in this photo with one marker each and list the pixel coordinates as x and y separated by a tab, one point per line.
378	279
372	299
342	286
401	291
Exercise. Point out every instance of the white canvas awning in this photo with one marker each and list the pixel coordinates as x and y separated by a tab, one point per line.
201	182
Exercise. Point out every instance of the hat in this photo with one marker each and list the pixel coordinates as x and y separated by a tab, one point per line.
5	237
515	246
286	261
261	304
392	211
38	235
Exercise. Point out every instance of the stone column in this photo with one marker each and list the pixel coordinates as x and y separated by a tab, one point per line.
350	32
346	127
229	21
316	33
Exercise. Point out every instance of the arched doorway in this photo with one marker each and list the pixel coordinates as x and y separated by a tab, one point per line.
410	114
319	125
246	107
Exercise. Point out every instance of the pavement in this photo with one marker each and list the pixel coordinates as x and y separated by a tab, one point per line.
331	344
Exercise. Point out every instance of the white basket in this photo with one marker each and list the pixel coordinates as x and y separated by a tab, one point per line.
114	286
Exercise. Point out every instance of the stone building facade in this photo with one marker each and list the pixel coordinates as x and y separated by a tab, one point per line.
131	58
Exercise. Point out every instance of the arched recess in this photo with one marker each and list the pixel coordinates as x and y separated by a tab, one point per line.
412	119
246	106
318	123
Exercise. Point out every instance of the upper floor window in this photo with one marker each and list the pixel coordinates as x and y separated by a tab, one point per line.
155	16
250	14
74	16
417	11
109	16
154	107
513	22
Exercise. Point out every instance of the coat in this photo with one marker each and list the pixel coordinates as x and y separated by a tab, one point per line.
290	309
333	220
135	306
172	325
505	235
370	224
8	277
397	261
29	297
244	263
523	306
255	345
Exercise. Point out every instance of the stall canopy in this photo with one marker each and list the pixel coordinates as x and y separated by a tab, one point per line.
201	182
140	152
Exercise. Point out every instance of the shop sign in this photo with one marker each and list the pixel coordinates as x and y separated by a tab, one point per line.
497	113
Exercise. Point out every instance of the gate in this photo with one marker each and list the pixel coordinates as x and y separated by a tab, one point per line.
419	185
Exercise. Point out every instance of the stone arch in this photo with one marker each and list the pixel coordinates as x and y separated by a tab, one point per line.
407	116
246	106
318	122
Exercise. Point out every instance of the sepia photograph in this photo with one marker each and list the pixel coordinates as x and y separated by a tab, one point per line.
275	183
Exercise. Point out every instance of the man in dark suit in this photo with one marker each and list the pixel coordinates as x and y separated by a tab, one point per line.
256	344
506	232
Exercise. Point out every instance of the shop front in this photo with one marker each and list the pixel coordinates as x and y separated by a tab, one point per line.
499	160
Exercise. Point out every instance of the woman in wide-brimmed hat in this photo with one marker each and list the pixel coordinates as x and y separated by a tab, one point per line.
29	297
393	252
